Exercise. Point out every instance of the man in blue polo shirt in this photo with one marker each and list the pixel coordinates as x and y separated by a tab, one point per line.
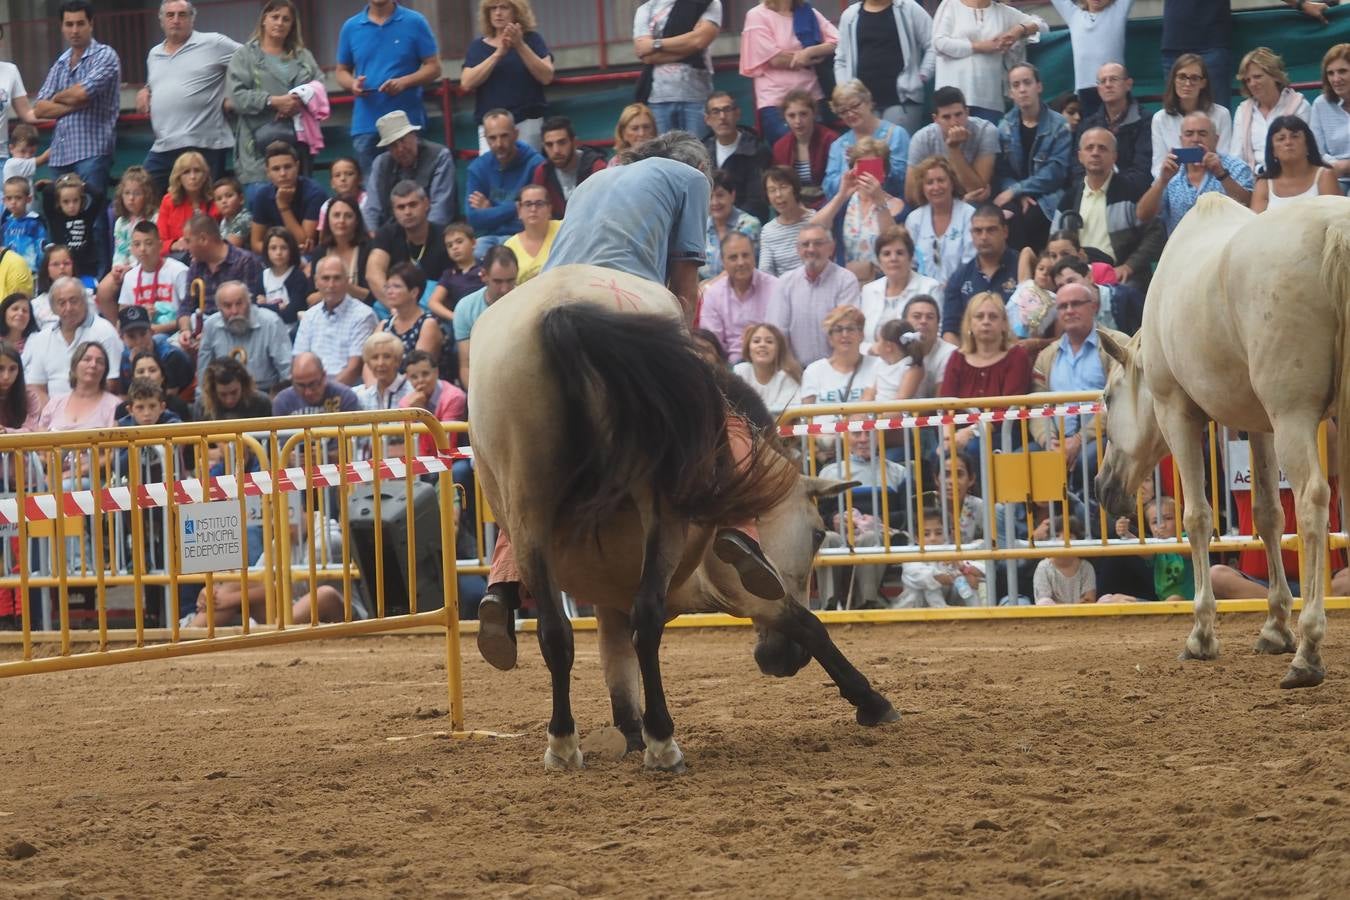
386	53
992	268
289	201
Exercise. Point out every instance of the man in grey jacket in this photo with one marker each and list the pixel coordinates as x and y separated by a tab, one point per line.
407	156
888	46
252	334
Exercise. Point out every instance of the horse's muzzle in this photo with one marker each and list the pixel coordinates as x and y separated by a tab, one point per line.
779	656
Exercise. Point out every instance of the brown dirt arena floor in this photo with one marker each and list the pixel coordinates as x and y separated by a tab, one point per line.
1067	758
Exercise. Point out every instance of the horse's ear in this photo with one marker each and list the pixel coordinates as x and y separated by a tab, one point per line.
820	488
1118	352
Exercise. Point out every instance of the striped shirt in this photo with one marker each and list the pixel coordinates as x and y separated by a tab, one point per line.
335	335
91	130
778	247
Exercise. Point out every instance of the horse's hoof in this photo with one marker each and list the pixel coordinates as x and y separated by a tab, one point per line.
496	633
1277	644
563	754
1300	676
1200	650
663	756
882	715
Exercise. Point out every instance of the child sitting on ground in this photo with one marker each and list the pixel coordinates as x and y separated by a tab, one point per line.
938	584
1065	579
1173	574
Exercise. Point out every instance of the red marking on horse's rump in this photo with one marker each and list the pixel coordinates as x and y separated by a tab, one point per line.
622	296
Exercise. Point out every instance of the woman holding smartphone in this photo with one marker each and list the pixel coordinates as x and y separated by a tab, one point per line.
866	208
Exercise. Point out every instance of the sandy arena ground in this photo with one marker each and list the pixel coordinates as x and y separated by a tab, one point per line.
1072	758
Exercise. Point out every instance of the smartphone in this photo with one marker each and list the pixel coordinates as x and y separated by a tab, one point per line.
870	166
1188	155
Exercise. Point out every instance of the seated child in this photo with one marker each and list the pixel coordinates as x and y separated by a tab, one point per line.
1173	574
21	226
236	222
157	283
462	277
1065	579
1031	309
901	373
75	220
938	584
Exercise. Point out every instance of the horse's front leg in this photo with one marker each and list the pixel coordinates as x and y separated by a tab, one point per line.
555	642
1275	636
1180	428
665	543
801	626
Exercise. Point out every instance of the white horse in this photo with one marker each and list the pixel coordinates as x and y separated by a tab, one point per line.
601	443
1247	323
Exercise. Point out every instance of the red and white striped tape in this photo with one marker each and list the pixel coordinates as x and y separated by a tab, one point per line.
43	507
993	415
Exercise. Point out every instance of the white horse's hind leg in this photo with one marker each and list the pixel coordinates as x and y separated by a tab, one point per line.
1296	442
1181	429
1275	636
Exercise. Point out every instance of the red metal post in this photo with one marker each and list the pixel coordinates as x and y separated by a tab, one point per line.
604	34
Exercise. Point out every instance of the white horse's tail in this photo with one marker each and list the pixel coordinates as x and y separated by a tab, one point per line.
1336	280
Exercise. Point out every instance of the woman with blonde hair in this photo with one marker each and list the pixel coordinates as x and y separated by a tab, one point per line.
259	82
508	67
636	124
940	221
1269	96
189	193
842	376
852	102
989	362
1331	113
769	366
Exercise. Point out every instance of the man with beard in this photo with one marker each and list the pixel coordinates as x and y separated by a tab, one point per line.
251	334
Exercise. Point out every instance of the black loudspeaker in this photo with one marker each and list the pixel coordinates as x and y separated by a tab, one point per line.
394	551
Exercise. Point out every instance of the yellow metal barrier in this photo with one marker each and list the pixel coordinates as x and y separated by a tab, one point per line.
81	498
1023	477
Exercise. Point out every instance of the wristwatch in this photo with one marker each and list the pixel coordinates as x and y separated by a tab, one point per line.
1225	175
656	45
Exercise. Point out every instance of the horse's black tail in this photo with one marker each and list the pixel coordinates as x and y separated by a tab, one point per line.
640	407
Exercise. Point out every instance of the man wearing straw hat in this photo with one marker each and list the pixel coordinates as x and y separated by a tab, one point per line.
407	156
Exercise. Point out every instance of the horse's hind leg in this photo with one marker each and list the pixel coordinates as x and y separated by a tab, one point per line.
801	625
665	542
622	675
555	642
1275	636
1297	445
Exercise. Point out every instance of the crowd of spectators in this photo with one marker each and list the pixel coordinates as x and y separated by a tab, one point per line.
861	240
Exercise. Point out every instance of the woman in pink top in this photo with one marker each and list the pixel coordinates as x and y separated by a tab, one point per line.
781	43
88	405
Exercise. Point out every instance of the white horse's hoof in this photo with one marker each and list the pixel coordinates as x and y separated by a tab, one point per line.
663	756
1200	648
1275	641
1301	675
563	754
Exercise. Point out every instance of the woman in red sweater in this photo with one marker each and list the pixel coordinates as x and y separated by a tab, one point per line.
189	193
989	362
